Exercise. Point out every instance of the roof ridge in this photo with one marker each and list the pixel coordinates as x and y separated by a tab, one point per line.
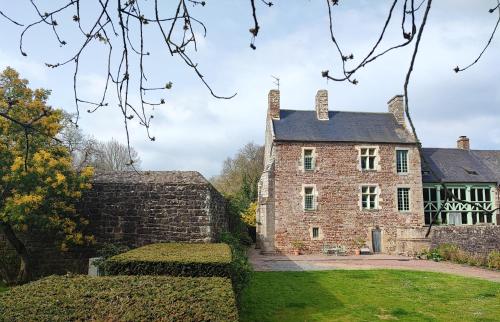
486	150
472	150
285	109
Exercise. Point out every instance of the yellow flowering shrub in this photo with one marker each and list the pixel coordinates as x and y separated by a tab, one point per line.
249	216
39	186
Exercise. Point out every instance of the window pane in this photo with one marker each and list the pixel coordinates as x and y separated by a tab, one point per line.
308	159
369	197
371	164
308	163
443	218
480	194
427	218
402	161
403	199
308	202
433	194
315	232
464	217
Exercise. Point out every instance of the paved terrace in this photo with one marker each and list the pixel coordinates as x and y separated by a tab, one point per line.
380	261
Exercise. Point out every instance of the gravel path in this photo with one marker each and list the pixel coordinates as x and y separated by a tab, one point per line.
322	262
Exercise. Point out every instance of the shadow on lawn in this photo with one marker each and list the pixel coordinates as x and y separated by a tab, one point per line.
293	296
288	292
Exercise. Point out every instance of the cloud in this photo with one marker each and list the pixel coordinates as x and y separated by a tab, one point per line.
197	132
27	68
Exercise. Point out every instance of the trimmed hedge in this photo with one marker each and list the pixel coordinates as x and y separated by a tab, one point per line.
120	298
175	259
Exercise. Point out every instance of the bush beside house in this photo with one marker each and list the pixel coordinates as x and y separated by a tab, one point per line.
453	253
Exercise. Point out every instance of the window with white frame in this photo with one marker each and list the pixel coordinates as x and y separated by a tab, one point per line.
482	197
404	199
308	159
402	161
309	202
369	197
477	208
315	232
368	156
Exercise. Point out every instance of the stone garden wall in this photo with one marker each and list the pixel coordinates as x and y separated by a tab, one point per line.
478	239
136	209
474	239
139	209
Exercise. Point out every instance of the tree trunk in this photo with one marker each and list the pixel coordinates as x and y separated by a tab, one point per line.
25	267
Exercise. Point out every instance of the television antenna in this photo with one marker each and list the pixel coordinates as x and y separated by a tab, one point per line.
276	81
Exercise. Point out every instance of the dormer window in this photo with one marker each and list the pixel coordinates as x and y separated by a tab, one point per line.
368	156
308	159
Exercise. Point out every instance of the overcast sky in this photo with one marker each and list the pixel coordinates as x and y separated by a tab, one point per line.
195	131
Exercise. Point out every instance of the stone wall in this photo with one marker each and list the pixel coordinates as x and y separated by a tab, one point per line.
472	238
139	209
136	209
46	257
338	179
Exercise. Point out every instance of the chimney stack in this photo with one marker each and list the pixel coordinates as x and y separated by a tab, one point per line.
396	106
463	143
274	104
322	105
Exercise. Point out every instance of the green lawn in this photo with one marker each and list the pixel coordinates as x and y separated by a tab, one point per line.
369	295
2	287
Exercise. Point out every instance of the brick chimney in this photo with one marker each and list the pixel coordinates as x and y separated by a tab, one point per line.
396	106
322	105
463	143
274	104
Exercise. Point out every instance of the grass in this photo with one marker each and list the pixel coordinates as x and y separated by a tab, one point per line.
371	295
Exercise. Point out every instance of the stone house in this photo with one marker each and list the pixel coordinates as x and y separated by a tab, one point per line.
345	178
334	177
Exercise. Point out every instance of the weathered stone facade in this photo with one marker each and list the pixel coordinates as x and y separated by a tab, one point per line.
136	209
338	181
311	190
476	239
142	208
338	217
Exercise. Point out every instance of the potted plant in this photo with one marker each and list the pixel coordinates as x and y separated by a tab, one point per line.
360	242
297	245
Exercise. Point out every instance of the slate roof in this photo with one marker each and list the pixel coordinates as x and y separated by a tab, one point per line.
457	165
304	126
491	159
